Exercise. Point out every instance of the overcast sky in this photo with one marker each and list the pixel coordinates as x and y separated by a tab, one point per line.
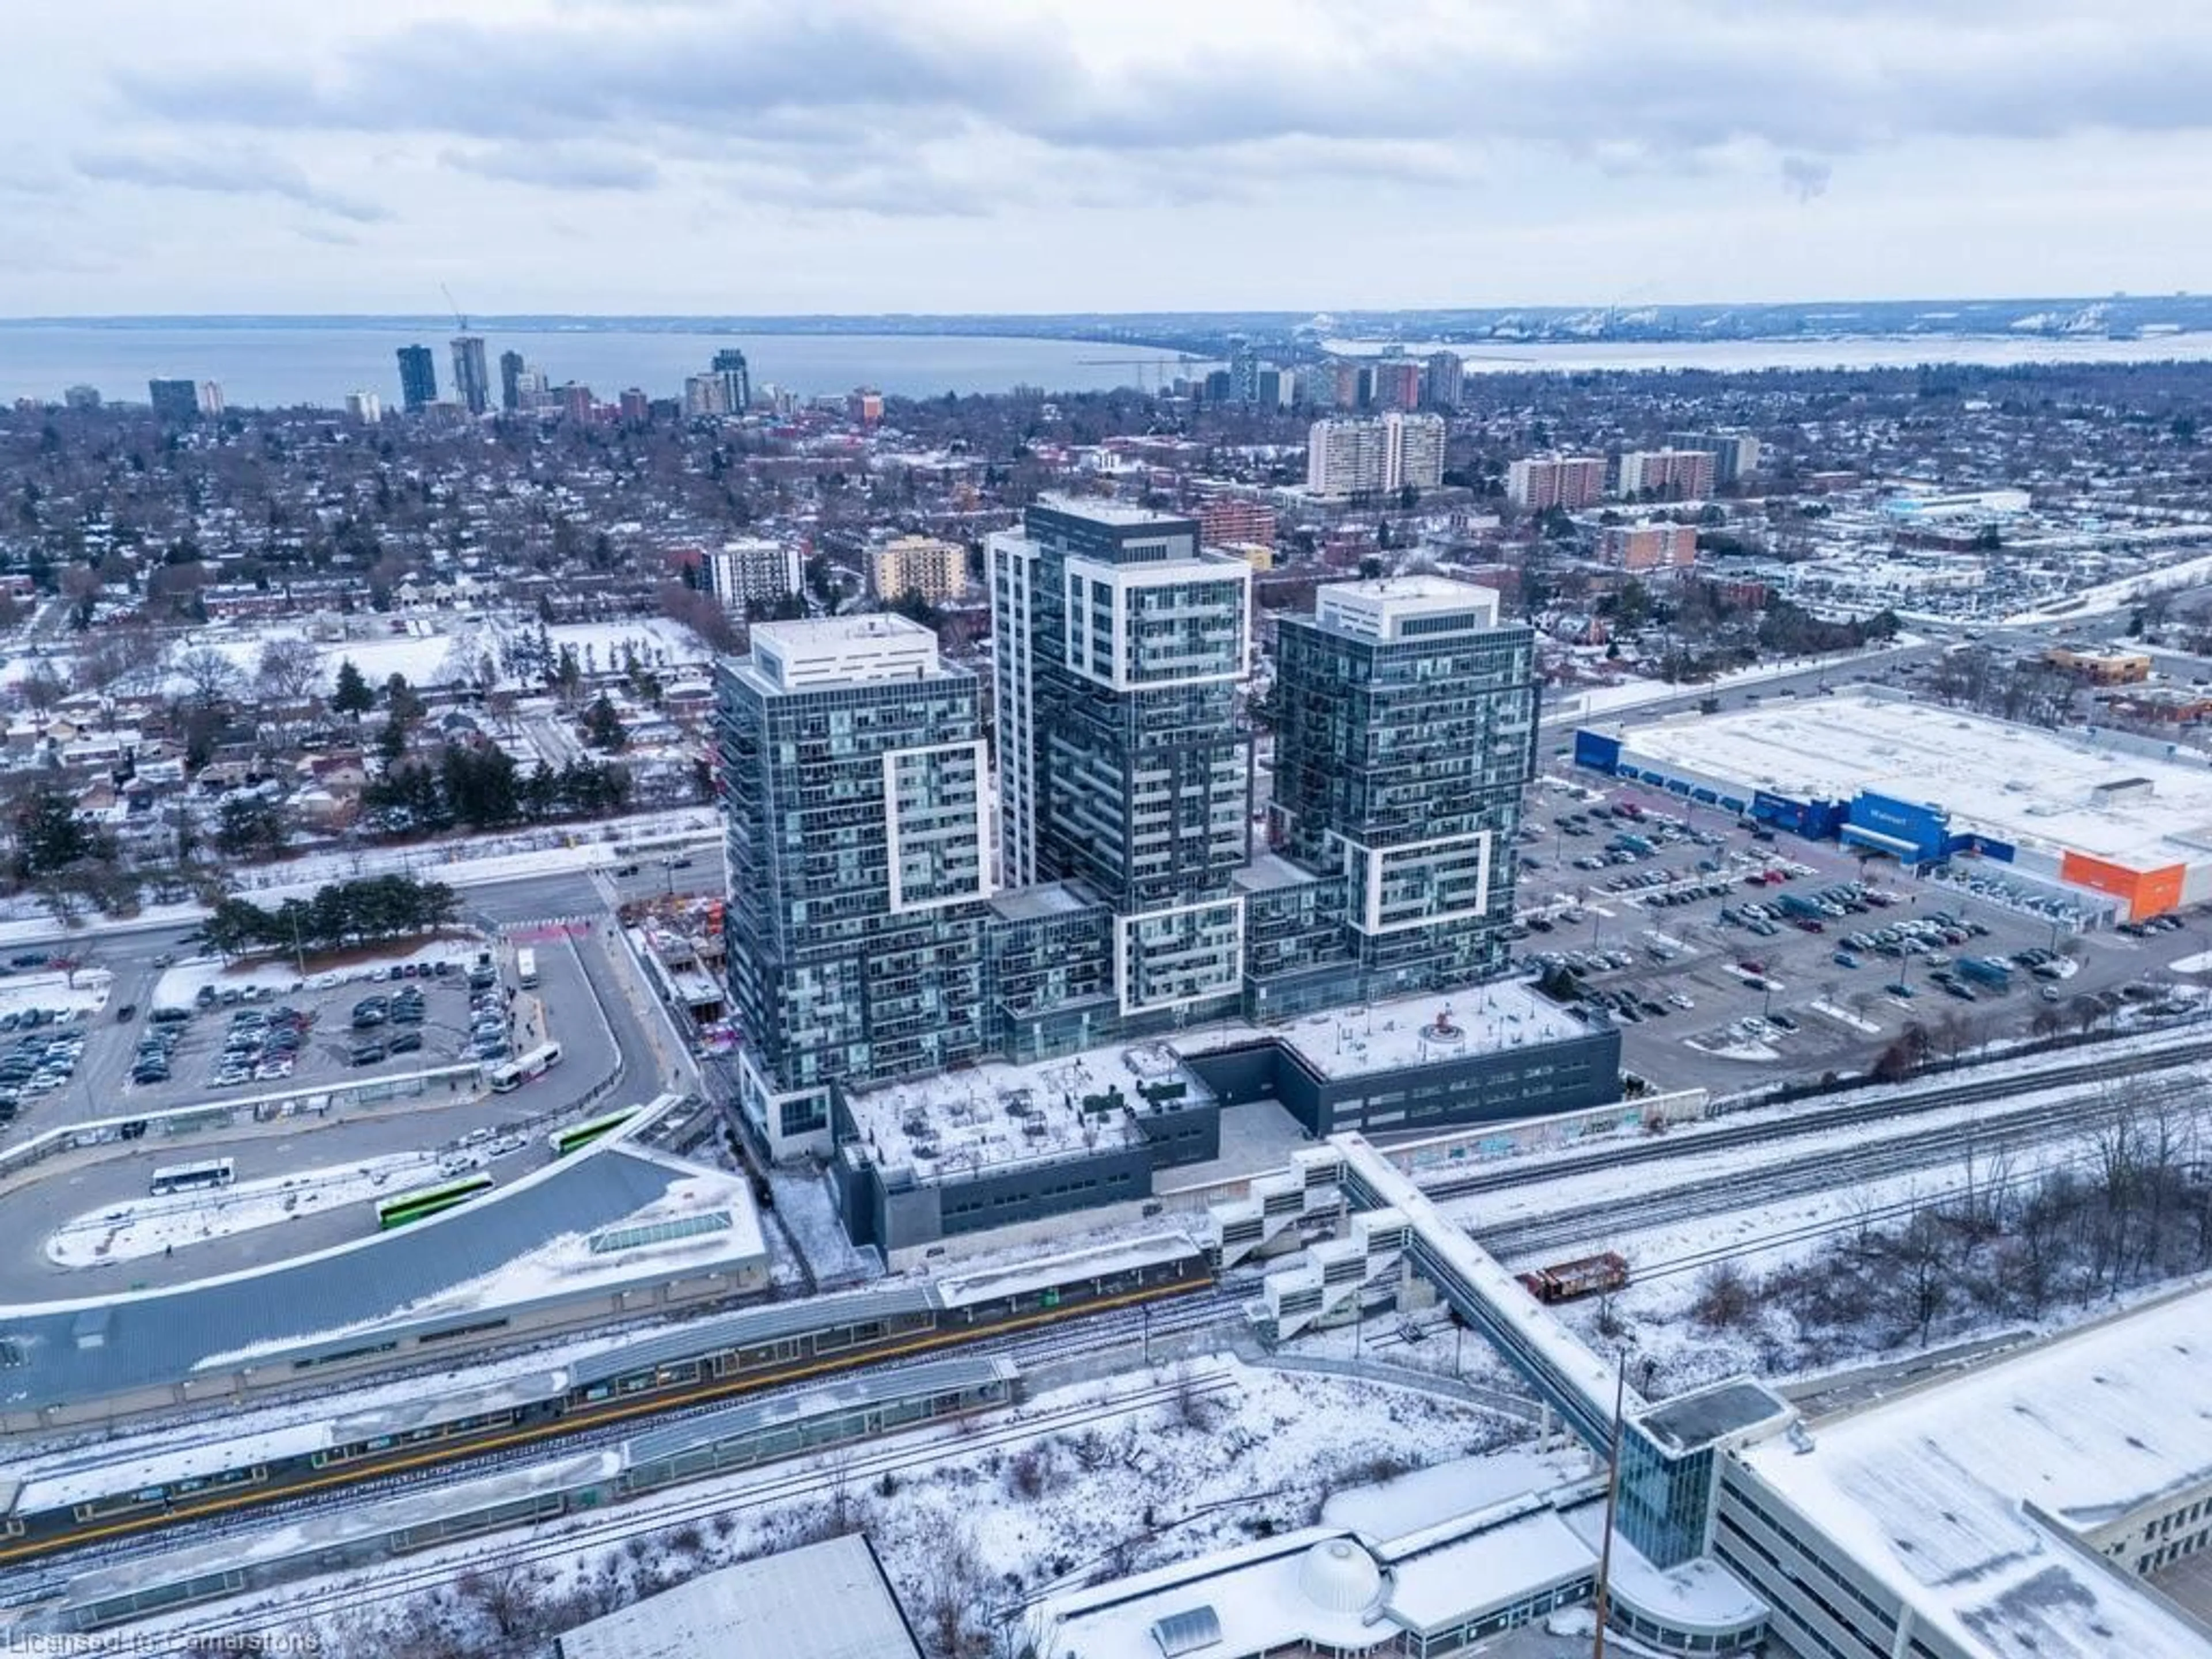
720	156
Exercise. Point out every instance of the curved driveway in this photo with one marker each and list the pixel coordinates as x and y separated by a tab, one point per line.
594	1020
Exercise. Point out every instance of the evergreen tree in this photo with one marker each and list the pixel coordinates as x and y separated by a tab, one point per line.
352	695
603	726
49	835
404	702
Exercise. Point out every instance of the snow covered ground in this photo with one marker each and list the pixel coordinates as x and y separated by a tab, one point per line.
1634	694
150	1225
80	994
2116	595
470	649
809	1220
1652	1319
462	861
1093	1487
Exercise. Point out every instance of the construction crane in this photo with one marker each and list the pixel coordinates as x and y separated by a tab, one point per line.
460	317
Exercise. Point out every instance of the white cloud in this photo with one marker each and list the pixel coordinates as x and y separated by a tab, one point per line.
966	155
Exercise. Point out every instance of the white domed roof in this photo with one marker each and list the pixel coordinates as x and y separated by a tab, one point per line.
1340	1576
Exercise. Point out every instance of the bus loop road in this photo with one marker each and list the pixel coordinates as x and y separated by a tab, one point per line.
592	1019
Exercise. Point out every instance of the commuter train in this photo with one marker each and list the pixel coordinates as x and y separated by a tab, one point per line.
56	1501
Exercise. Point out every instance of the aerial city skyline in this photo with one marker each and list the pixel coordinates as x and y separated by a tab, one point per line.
1137	832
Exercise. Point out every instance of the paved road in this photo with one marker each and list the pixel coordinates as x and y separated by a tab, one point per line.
596	1019
1558	728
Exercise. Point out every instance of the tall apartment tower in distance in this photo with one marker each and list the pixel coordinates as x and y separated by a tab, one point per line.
1243	371
471	375
1407	734
510	381
1539	482
854	777
1373	457
1444	374
418	377
1735	454
753	569
175	401
1673	474
1120	644
925	566
729	367
1397	385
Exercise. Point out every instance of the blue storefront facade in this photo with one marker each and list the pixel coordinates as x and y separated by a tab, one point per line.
1915	833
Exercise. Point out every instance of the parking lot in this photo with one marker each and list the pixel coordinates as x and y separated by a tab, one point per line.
1725	956
267	1031
41	1059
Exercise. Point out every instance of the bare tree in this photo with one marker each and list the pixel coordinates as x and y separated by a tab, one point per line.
1725	1298
1190	1408
211	675
955	1618
40	690
288	669
111	654
1924	1255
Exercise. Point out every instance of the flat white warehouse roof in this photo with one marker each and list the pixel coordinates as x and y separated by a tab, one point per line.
1929	1490
2015	783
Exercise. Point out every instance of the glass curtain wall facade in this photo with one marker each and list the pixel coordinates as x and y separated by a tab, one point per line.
857	866
1124	765
1405	734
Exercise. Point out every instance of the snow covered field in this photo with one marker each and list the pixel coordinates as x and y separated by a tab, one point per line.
470	649
151	1225
80	994
1098	1477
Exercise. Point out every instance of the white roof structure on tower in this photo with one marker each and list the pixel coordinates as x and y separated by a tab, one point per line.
802	656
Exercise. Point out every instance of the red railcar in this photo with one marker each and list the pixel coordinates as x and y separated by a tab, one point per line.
1589	1275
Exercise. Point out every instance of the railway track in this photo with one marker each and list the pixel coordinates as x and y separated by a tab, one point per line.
1095	1333
1815	1172
656	1513
2181	1057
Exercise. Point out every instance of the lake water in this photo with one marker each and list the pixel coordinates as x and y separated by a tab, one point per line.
1859	351
268	366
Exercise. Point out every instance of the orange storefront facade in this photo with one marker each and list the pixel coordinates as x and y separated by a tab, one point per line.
2145	892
